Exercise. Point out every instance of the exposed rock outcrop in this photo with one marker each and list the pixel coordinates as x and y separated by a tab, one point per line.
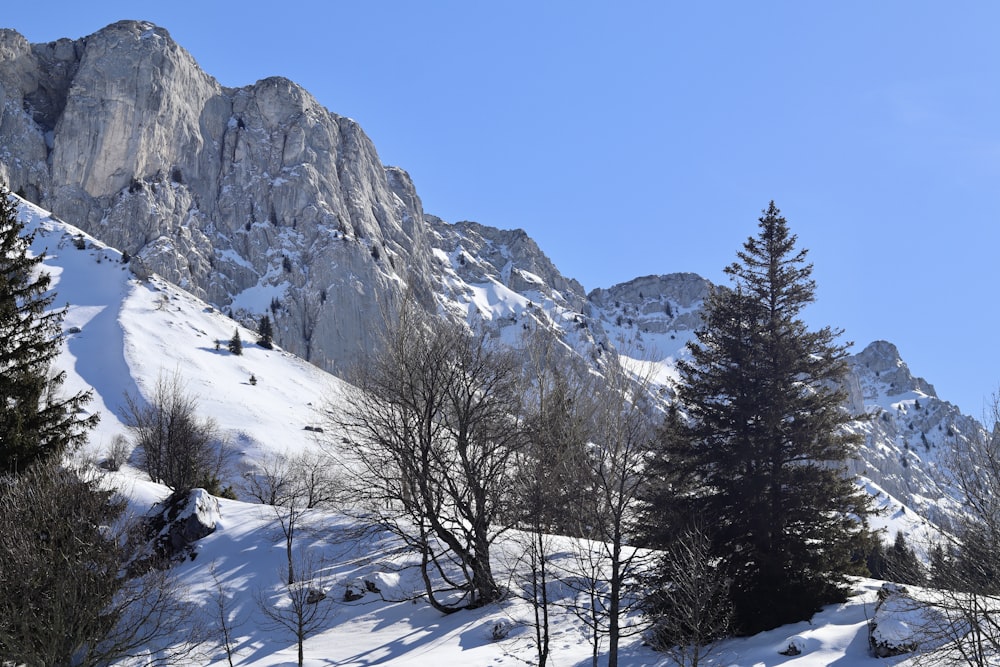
254	198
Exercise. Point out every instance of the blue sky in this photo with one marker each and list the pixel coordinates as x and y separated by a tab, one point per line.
634	138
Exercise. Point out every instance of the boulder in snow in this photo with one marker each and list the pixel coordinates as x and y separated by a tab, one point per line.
175	524
898	623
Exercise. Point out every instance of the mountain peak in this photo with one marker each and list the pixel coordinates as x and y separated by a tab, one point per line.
882	359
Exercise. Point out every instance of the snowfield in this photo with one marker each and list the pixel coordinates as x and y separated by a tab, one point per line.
124	333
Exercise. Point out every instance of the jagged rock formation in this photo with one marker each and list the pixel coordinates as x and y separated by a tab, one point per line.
253	198
911	433
655	304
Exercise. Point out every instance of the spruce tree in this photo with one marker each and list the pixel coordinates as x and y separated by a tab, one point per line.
266	332
235	344
765	442
35	422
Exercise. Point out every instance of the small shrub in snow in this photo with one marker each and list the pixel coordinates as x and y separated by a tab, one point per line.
118	452
794	645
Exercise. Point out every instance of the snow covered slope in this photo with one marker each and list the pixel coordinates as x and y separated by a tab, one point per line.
123	333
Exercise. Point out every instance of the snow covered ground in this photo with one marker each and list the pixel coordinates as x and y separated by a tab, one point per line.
123	333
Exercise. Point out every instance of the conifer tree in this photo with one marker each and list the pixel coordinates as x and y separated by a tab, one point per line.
235	344
266	332
35	422
764	443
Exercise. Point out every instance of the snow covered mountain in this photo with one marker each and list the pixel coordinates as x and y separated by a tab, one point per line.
124	331
258	200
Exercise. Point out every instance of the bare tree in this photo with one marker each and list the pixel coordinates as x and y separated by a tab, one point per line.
175	447
302	607
291	486
690	609
552	475
432	432
317	474
620	435
965	570
68	594
227	625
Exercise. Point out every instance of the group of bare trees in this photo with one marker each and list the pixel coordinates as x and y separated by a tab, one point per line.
964	568
452	444
432	433
174	445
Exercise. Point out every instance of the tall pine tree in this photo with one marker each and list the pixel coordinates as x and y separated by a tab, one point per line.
35	422
765	444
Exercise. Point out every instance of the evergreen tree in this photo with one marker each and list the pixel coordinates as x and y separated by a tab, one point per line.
235	344
904	566
35	422
764	444
266	332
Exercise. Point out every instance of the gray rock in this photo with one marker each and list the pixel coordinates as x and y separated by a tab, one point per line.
221	191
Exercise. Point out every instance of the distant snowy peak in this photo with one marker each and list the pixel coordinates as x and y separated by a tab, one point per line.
683	289
911	435
654	304
478	253
882	360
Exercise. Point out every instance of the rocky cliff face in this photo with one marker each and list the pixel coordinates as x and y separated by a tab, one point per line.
911	434
257	199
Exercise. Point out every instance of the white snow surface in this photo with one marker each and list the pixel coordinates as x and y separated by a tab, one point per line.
131	332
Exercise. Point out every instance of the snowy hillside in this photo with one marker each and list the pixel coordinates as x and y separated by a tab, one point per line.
123	333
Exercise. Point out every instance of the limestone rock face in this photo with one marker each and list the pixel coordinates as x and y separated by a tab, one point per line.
511	257
656	304
882	358
910	434
257	199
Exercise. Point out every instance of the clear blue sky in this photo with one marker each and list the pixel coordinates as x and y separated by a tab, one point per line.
632	138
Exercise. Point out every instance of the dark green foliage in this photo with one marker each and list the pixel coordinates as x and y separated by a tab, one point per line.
898	563
35	422
266	333
764	444
235	344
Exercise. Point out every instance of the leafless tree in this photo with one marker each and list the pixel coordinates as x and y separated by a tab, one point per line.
965	569
118	452
691	609
317	474
432	432
291	486
68	594
302	607
620	436
175	446
224	616
552	474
